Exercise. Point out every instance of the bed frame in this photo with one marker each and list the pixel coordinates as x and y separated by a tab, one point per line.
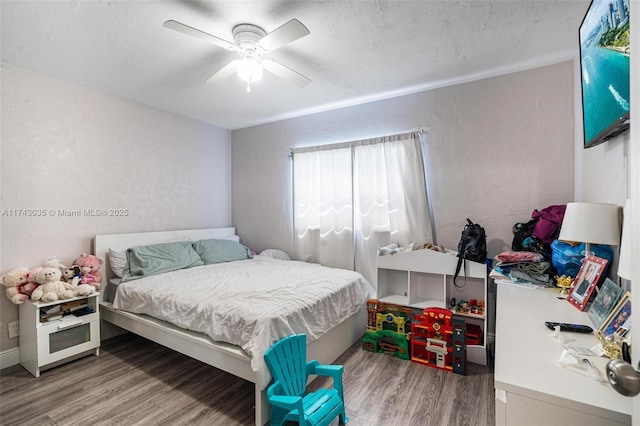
226	357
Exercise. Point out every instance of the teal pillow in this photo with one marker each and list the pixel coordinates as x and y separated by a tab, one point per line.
218	251
143	261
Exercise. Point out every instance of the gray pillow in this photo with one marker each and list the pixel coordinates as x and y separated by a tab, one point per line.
153	259
218	251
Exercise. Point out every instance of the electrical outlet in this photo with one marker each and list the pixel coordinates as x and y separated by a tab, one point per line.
14	329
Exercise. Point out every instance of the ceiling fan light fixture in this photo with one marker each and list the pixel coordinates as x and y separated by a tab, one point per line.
250	69
251	42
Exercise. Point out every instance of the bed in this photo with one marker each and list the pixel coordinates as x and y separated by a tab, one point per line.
240	357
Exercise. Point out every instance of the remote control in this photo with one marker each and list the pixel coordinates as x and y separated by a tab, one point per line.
577	328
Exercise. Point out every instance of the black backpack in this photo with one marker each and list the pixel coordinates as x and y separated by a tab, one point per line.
472	246
522	231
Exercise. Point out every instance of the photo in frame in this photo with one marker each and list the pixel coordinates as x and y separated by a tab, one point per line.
605	301
619	321
588	276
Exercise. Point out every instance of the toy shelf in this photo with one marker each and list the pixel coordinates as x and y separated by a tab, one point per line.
463	314
424	304
423	279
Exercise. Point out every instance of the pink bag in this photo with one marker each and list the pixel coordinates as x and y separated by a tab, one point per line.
549	221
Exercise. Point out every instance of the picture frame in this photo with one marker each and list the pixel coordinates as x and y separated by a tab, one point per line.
588	276
619	320
606	299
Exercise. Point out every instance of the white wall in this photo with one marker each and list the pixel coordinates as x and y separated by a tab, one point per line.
499	148
69	147
604	173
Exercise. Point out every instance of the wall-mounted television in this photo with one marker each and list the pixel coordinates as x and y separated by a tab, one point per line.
604	65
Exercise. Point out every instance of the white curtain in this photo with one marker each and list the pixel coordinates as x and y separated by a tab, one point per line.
372	192
323	207
391	199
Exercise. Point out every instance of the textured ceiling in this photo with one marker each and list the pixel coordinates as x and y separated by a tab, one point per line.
356	51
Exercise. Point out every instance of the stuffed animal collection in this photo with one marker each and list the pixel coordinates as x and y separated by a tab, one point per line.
53	280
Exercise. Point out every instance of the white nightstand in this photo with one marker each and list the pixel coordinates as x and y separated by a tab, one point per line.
45	344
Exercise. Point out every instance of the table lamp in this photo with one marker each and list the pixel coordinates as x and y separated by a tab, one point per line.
591	223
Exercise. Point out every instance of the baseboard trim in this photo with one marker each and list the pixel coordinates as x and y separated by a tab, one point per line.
10	357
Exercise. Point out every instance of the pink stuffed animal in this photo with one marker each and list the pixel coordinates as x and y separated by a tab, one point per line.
90	269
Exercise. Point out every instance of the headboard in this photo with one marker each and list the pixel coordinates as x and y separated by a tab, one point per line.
102	244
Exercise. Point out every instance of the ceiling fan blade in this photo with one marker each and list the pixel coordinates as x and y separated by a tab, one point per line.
285	73
190	31
284	34
225	72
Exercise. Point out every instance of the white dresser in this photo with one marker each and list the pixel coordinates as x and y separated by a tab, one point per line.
531	387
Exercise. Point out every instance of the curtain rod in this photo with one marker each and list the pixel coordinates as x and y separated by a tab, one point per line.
371	141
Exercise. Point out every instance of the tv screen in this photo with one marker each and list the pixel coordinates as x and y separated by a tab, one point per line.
604	65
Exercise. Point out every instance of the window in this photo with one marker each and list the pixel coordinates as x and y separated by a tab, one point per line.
350	199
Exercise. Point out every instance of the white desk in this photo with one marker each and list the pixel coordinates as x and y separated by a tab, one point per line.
531	387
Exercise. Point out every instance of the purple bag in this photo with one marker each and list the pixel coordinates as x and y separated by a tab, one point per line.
548	222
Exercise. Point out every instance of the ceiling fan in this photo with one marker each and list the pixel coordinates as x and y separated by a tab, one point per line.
252	42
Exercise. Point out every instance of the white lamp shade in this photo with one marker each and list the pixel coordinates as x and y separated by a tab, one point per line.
624	263
593	223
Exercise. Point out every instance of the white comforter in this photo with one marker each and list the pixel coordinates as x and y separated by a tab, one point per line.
250	303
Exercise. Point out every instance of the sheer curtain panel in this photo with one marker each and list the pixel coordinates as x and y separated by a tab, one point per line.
390	198
352	198
323	207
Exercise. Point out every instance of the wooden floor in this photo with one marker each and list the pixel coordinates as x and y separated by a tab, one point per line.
137	382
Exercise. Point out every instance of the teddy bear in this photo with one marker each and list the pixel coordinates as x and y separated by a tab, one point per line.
51	288
32	273
18	289
53	262
90	269
72	276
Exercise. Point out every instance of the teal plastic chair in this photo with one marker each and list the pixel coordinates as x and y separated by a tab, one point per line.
287	362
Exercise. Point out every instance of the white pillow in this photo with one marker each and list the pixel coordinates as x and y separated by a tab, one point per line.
276	254
117	260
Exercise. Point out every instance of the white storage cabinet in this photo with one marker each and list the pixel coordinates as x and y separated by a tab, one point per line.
424	278
47	344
